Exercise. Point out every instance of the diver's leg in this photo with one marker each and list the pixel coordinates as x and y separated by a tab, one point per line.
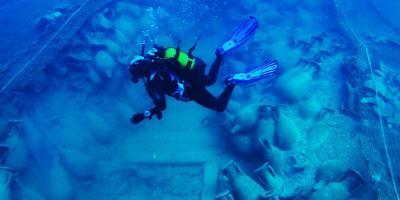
203	97
211	78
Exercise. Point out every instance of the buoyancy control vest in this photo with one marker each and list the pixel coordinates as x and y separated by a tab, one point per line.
188	65
187	62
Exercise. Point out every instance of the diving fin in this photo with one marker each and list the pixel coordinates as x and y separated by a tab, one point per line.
241	35
265	70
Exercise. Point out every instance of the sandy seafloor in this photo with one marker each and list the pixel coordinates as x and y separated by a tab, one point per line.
324	128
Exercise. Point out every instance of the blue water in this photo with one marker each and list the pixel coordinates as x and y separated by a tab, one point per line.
324	127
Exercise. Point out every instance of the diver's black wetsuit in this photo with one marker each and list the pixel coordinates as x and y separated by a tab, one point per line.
202	96
161	82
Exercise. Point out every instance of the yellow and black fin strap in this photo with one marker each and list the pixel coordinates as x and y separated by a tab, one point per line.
178	50
194	47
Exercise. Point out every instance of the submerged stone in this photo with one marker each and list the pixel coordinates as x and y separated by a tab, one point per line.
309	109
126	8
59	184
244	187
266	129
113	47
126	25
100	21
295	84
104	64
287	133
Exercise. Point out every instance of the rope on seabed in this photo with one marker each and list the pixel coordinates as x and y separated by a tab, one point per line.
27	64
382	130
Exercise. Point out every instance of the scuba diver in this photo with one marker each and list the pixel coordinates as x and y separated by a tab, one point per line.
169	71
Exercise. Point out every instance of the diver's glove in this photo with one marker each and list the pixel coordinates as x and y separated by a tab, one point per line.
137	118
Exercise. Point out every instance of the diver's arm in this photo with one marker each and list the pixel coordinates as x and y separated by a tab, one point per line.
159	105
154	88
